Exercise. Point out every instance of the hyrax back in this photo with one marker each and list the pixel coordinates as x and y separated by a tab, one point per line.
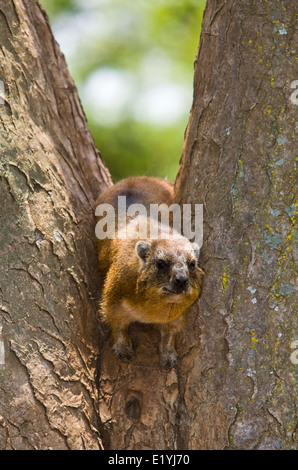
137	190
149	280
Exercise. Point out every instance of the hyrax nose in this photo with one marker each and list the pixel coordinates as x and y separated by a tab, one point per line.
181	280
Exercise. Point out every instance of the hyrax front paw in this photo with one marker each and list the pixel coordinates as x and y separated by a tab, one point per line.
169	358
123	350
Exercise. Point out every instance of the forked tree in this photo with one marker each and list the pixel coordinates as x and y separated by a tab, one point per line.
235	384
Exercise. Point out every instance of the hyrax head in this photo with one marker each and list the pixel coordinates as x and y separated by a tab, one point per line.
170	268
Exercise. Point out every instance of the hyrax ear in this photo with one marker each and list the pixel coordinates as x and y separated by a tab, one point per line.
142	249
196	249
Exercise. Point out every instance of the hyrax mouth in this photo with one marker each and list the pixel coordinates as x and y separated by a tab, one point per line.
175	291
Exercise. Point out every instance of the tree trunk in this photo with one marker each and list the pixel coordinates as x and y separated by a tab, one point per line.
50	173
239	365
234	386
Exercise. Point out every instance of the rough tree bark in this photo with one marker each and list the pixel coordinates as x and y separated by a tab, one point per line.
50	172
238	383
234	387
234	384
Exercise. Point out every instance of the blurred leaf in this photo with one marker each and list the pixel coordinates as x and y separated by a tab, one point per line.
152	43
139	149
55	7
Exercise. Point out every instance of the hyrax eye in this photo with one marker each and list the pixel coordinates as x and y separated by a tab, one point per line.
161	264
192	264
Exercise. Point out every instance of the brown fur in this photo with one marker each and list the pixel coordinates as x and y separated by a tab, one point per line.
136	287
141	189
137	189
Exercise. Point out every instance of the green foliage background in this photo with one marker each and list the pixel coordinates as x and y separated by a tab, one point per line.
122	36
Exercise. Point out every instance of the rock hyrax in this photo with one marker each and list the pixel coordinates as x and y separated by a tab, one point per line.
147	280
